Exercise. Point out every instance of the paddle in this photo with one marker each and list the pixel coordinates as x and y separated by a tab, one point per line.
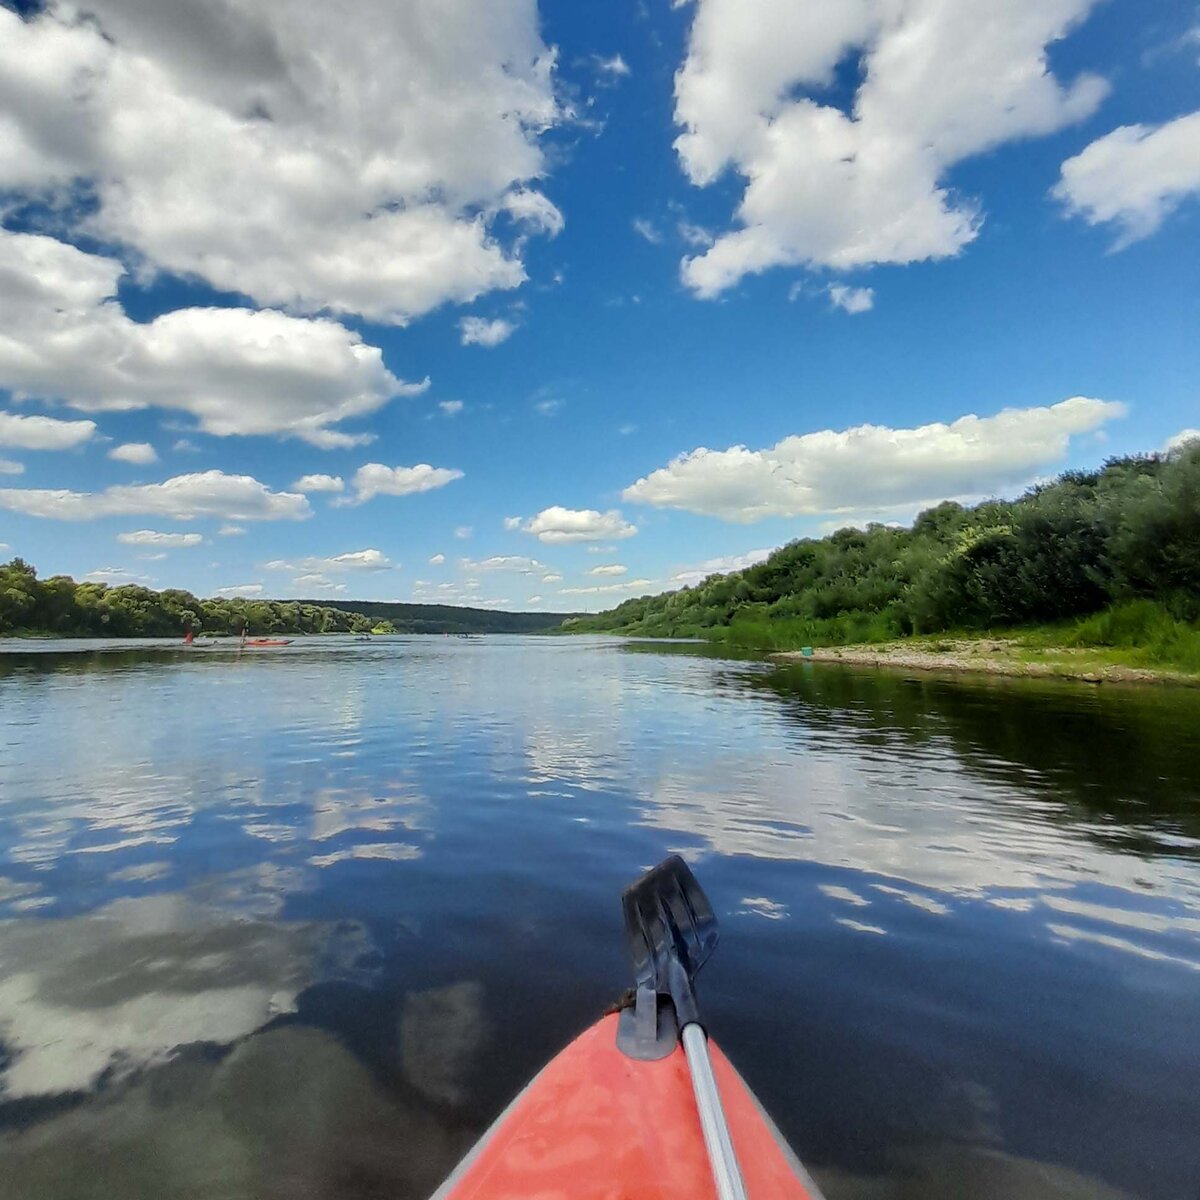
672	930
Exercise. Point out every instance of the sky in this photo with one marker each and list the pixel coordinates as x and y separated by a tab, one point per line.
544	306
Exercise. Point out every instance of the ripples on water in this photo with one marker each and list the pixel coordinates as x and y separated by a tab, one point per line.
297	923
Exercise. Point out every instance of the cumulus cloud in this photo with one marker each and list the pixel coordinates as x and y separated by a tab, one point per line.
1134	177
437	560
234	370
557	525
181	498
553	577
504	562
852	299
141	453
690	576
230	531
1183	438
239	591
450	408
609	569
511	523
463	532
477	331
319	483
534	600
374	479
850	189
871	467
353	560
40	433
607	589
8	467
151	537
312	158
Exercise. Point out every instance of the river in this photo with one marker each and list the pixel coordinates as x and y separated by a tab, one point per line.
297	923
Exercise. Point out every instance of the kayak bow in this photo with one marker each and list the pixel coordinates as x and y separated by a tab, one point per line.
617	1115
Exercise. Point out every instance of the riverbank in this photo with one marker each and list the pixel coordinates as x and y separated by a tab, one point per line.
1014	656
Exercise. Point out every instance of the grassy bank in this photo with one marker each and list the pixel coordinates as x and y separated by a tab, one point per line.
1139	640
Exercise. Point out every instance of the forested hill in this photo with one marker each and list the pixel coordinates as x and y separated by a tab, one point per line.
60	606
449	618
1129	531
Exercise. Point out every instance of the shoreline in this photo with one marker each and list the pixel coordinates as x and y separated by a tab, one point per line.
992	656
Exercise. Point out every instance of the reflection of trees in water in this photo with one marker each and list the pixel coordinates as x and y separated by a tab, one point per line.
1121	760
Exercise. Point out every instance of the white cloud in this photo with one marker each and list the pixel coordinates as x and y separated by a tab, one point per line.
374	479
552	578
318	582
609	569
549	406
601	549
114	575
437	560
690	576
611	66
557	525
310	157
504	562
463	532
353	560
183	446
607	589
450	408
872	467
319	483
151	537
695	235
646	229
477	331
534	600
40	433
850	189
239	591
1134	177
852	299
182	498
511	523
234	370
626	430
141	453
230	531
8	467
1181	439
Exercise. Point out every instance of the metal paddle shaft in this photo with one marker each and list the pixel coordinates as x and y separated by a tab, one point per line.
672	931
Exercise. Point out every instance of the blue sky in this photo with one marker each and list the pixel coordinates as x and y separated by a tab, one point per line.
686	281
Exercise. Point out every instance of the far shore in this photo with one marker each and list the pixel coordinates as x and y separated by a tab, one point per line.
994	656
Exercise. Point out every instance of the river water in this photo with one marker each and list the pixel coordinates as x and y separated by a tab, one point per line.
297	923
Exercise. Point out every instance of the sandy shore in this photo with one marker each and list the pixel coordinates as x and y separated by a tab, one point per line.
991	656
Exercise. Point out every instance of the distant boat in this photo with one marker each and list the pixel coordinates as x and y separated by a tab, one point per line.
262	643
363	637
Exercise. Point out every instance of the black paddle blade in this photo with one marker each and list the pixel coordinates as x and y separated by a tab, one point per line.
669	924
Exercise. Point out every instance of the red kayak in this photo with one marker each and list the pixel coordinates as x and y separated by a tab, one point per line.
641	1106
255	643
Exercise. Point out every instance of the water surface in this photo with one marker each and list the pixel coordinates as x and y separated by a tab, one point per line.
297	923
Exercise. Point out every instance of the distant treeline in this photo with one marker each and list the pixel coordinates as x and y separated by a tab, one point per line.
449	618
1128	533
64	608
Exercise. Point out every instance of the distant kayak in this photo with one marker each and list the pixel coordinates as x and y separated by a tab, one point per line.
261	643
636	1108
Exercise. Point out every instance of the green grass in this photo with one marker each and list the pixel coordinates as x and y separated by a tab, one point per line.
1139	633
